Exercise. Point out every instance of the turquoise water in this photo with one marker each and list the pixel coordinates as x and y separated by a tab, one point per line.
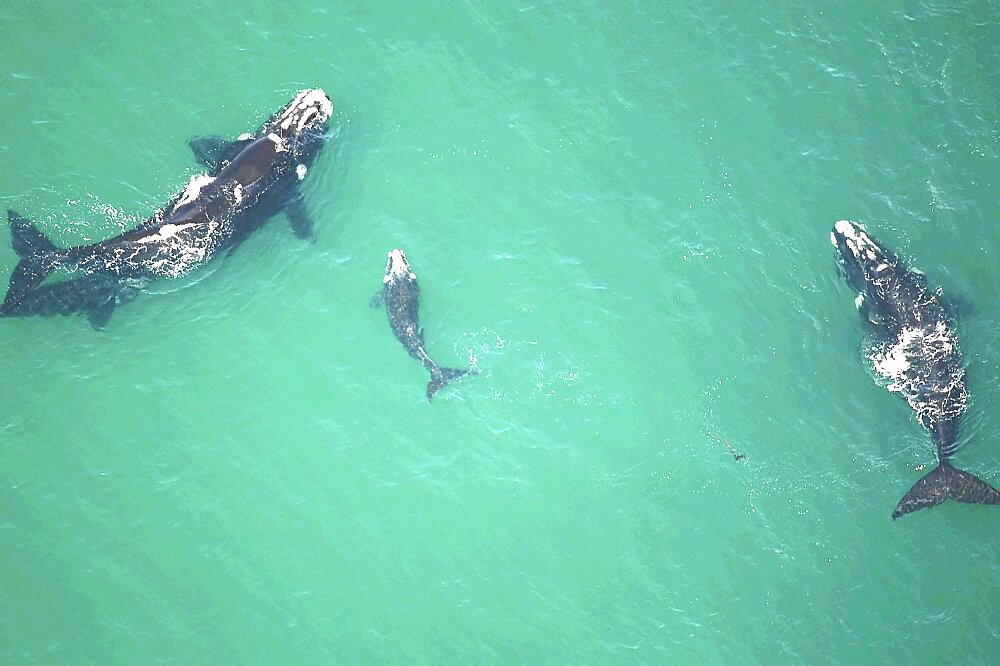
619	213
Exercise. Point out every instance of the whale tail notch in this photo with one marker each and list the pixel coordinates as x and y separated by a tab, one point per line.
946	482
440	377
38	259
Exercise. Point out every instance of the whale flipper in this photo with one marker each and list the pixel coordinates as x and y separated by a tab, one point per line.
37	260
25	238
101	315
213	151
946	482
295	211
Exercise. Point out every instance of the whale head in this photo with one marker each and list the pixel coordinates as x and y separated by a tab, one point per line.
887	291
301	125
865	262
397	267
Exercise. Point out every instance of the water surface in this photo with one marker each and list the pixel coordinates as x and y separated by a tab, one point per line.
619	214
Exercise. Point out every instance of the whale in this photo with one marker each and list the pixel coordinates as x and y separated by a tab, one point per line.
250	180
95	295
400	296
914	352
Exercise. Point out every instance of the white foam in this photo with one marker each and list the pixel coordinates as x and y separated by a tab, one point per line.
165	232
896	361
923	364
194	188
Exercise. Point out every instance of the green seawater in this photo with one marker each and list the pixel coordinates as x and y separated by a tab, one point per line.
619	213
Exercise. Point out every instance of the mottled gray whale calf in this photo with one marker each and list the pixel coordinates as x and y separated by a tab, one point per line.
400	294
916	352
251	179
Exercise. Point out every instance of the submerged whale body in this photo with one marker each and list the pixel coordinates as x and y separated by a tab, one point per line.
400	294
251	179
916	353
95	295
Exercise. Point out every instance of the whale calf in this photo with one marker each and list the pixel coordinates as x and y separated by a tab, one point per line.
400	295
251	179
95	295
916	352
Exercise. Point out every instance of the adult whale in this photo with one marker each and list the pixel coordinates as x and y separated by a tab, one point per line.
916	351
252	178
400	294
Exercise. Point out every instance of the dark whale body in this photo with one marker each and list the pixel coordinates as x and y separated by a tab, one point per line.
917	353
400	294
251	179
95	295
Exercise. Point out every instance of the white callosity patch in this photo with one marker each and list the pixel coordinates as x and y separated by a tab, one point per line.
316	98
308	106
301	170
844	227
857	241
396	267
305	115
278	141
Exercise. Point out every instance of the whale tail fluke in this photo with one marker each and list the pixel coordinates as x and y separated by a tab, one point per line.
440	377
946	482
38	259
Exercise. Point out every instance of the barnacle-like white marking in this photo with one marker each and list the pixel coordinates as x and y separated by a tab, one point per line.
278	141
301	171
306	106
306	117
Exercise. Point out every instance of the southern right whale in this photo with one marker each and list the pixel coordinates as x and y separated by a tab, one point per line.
400	294
917	354
96	295
252	179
